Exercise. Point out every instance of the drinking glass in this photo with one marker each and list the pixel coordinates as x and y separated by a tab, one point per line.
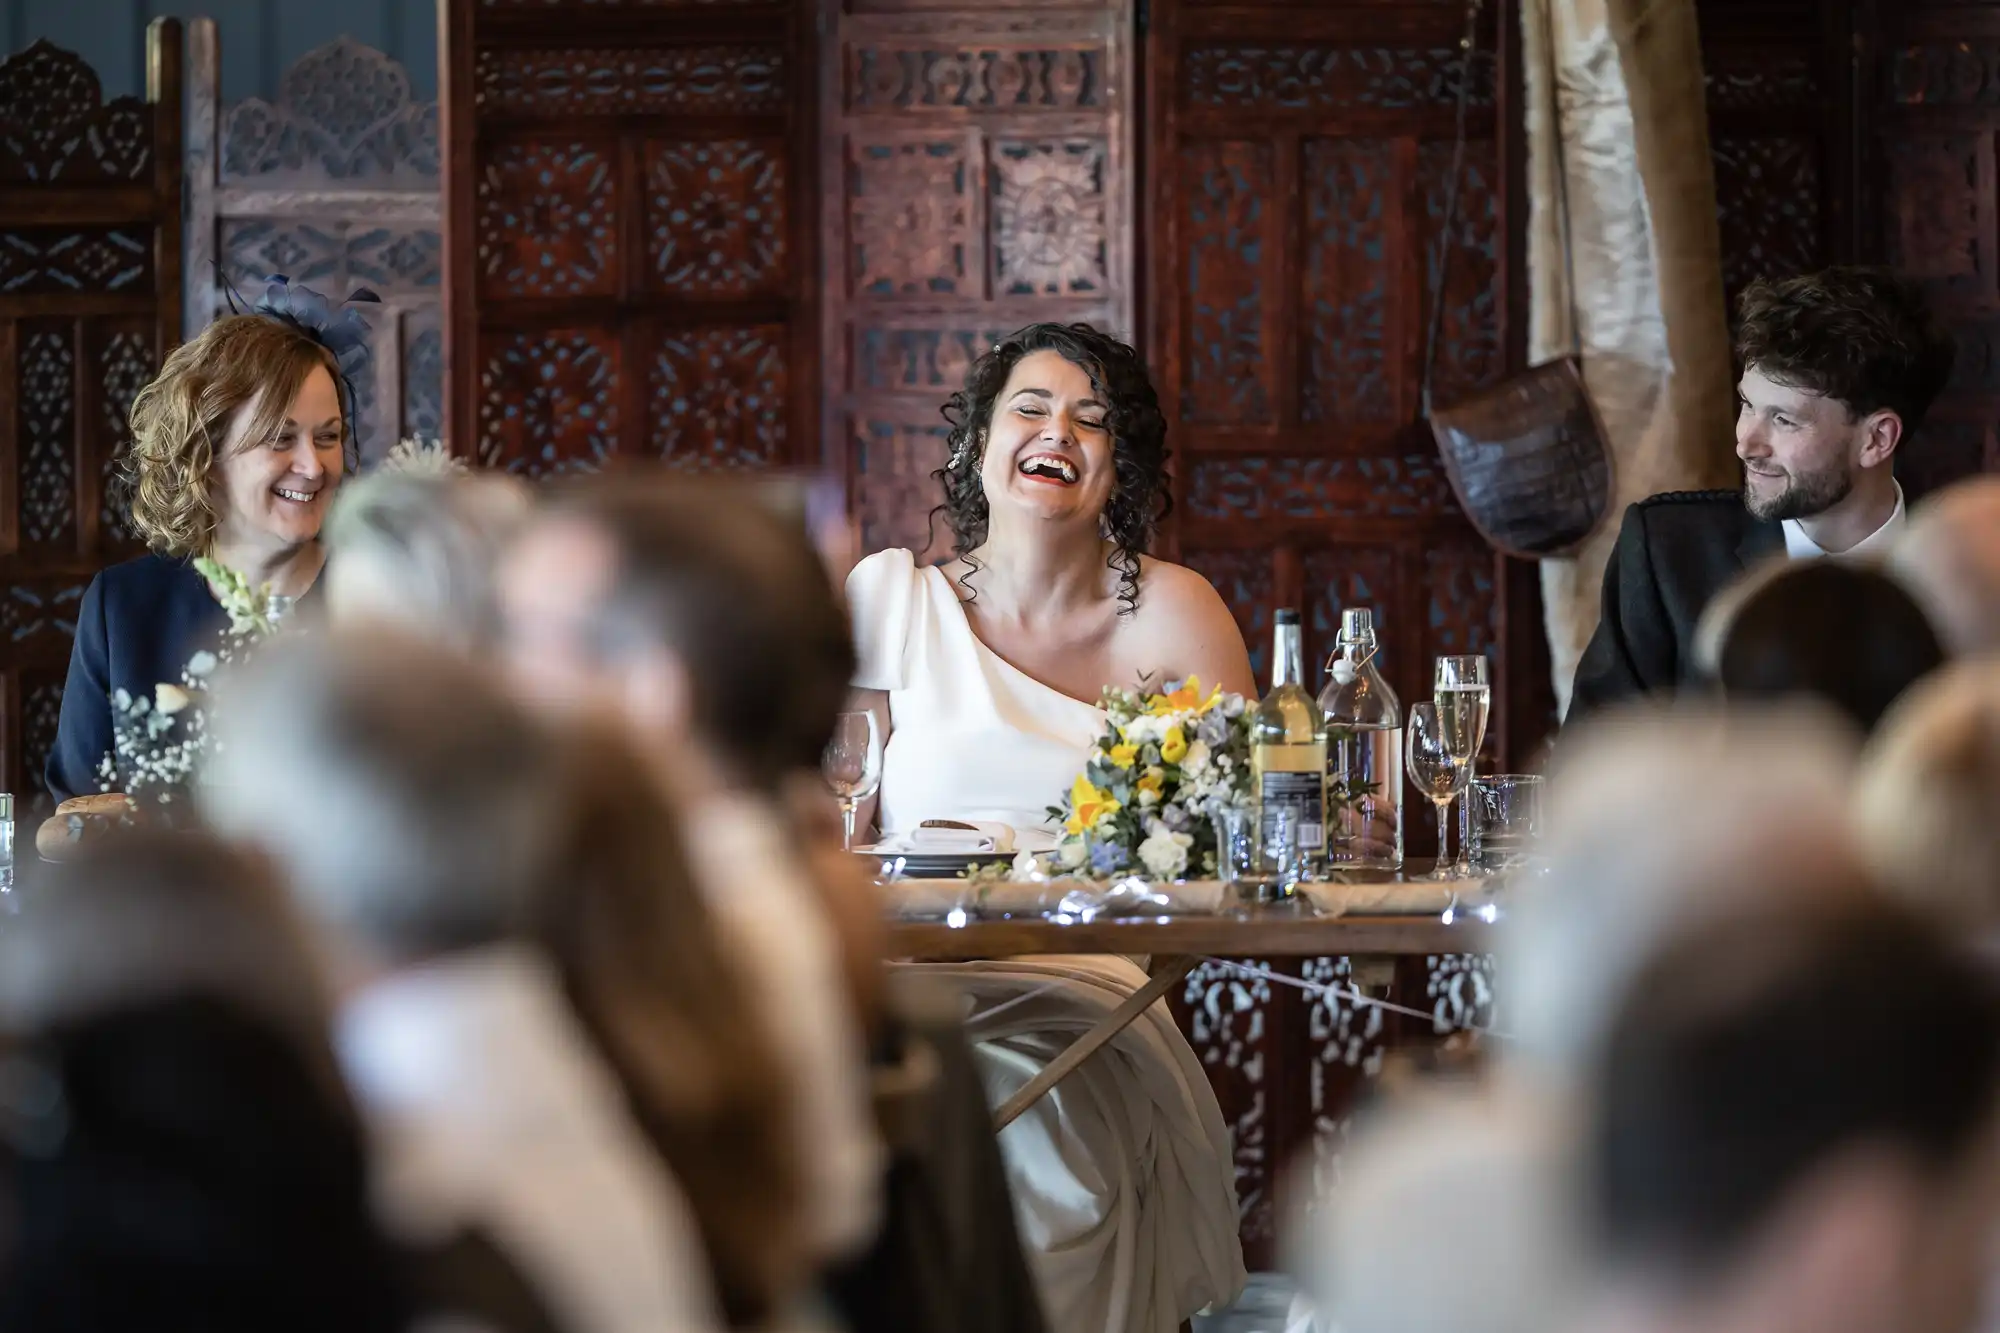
852	766
1280	857
1506	821
1436	772
6	843
1235	845
1464	697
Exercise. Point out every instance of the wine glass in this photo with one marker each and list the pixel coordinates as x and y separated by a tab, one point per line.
852	766
1437	773
1464	698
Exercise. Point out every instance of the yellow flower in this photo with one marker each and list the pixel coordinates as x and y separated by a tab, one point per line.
1087	805
1123	755
1174	747
1185	699
1153	781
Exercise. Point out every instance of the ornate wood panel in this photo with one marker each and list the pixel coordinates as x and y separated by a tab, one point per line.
1297	161
1933	89
90	299
977	175
334	184
631	239
1781	119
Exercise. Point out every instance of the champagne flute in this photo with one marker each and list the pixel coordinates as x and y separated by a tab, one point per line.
1435	771
852	766
1464	698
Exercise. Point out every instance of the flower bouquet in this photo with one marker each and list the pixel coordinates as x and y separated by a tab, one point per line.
1165	766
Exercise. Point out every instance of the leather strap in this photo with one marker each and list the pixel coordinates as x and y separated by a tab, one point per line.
1440	265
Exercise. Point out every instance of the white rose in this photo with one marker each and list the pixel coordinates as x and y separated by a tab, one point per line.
1164	852
1148	797
1196	759
1072	852
201	664
170	699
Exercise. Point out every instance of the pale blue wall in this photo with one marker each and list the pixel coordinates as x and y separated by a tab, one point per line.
259	37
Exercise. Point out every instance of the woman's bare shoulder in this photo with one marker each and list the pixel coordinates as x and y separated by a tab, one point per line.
1188	627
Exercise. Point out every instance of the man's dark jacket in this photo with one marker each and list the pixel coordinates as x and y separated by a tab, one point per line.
1675	552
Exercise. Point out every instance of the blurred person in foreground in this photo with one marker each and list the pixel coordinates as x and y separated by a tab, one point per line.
415	544
704	621
1792	1128
539	1019
1845	634
1659	813
1838	370
177	1150
1949	557
1927	800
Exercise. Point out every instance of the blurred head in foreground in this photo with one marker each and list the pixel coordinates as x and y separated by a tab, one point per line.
699	616
175	1144
1833	630
420	811
1477	1181
419	550
1949	557
1928	797
1658	813
1793	1127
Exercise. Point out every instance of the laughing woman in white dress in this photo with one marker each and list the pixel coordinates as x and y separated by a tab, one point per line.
983	673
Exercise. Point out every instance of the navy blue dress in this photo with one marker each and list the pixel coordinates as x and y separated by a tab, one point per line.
139	624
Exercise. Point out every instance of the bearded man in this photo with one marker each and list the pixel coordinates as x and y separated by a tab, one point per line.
1839	368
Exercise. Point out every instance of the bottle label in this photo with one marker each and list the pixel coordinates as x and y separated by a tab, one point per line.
1304	794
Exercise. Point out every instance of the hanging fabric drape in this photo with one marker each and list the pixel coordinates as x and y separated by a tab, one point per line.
1646	260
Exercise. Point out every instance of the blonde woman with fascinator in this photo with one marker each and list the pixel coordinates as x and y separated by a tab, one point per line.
237	450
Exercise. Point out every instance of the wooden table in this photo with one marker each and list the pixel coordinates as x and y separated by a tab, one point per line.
1177	943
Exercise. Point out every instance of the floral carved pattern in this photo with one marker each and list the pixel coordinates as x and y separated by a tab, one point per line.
423	382
918	359
547	224
1469	354
1346	281
48	393
1737	78
35	260
910	218
126	366
344	110
1462	612
1934	194
31	614
602	81
1954	74
1259	489
336	256
41	712
1347	1041
716	215
548	402
1049	237
56	127
891	79
1226	365
1227	1018
1768	207
1317	78
718	398
1340	577
894	489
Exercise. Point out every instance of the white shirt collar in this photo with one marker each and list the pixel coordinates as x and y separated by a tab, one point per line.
1798	546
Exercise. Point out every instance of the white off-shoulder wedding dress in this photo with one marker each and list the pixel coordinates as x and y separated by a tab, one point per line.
1121	1176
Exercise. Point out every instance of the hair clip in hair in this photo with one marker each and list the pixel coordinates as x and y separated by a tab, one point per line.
341	330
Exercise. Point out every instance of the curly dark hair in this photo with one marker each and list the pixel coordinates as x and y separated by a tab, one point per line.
1138	444
1864	337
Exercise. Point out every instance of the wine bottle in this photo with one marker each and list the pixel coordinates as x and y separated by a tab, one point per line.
1288	761
1364	746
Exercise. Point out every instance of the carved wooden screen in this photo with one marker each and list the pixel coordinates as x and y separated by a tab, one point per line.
977	177
335	185
1297	161
631	238
90	300
1932	83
